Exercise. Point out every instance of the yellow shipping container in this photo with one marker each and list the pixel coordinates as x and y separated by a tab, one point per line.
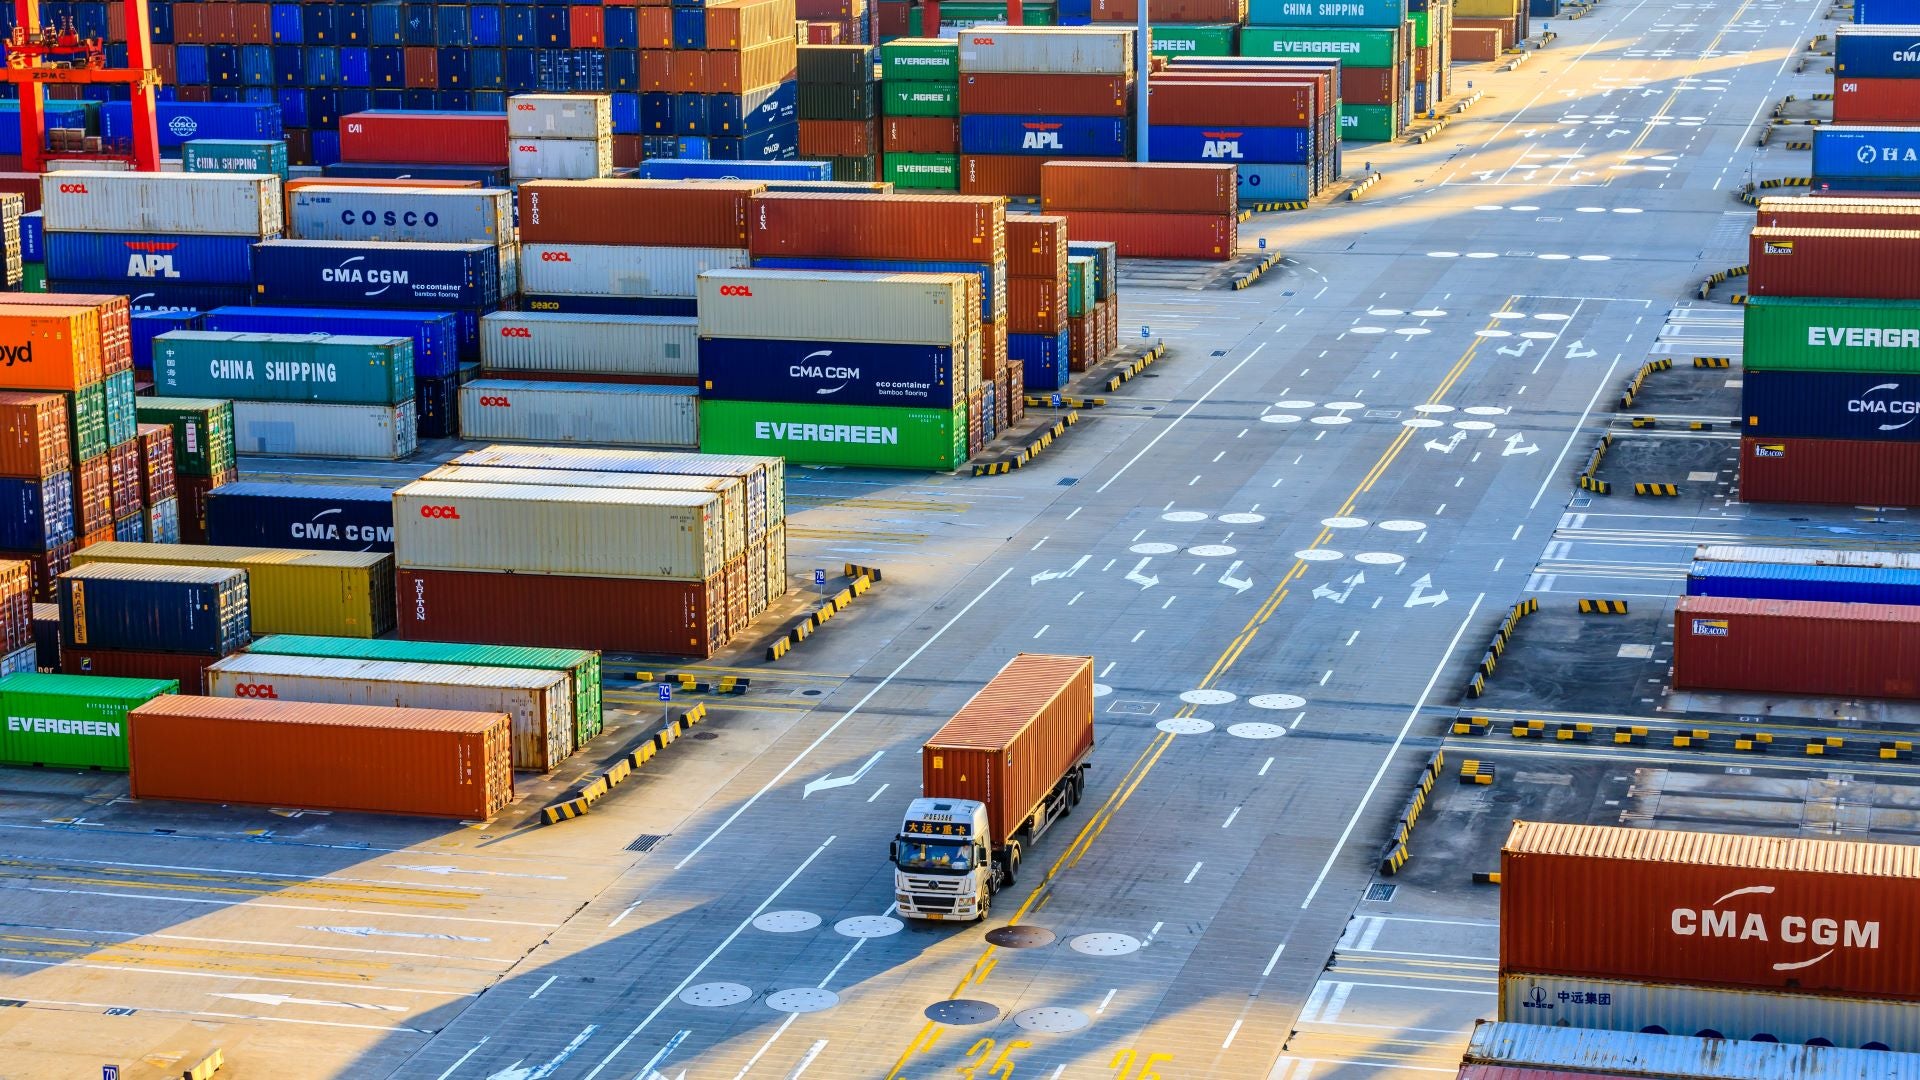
328	593
1486	9
49	348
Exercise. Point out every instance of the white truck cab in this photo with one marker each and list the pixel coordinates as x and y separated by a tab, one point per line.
943	860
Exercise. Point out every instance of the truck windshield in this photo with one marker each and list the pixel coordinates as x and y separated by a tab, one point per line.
936	855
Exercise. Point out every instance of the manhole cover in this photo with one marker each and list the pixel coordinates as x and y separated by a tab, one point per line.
1183	515
1020	937
1105	944
1207	697
802	999
1277	701
1050	1018
961	1011
1134	708
1380	892
715	994
1152	548
1256	730
645	841
866	926
1211	551
1185	725
1068	481
811	693
786	922
705	735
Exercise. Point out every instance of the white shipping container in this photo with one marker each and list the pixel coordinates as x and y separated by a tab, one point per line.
1769	1016
223	204
1736	553
765	477
731	491
608	270
1036	50
559	159
1612	1053
596	414
918	309
560	116
303	429
570	531
509	269
403	215
513	341
540	703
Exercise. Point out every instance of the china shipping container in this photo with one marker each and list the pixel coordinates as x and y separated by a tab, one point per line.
1040	50
1795	647
1826	212
309	517
377	275
1840	472
944	227
430	762
1875	101
838	372
332	368
611	270
765	477
1831	584
190	609
864	435
926	309
1831	405
665	213
289	592
401	215
1008	746
1854	263
613	532
1828	334
438	138
1159	236
1605	1054
539	703
673	618
71	721
135	202
1794	556
606	414
435	334
137	258
525	341
33	434
1865	152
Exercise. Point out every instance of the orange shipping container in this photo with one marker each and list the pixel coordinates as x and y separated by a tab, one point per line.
656	29
1037	246
1473	44
1158	188
431	762
93	496
742	24
750	68
955	228
1020	735
33	435
668	213
921	134
1036	305
656	65
836	138
49	348
116	322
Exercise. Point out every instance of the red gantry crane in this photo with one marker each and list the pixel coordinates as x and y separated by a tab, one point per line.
38	56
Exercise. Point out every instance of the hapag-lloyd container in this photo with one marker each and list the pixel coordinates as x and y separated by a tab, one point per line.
828	372
1745	1015
342	370
309	429
54	348
1875	101
1084	50
559	159
538	702
1875	52
581	532
429	138
135	202
1827	334
1738	553
1831	405
188	609
635	212
377	275
71	721
944	227
1519	1051
603	414
401	215
1827	584
1713	909
1860	152
1855	263
605	270
436	335
925	309
431	762
731	491
515	341
765	477
141	257
560	116
640	615
1823	212
309	517
897	438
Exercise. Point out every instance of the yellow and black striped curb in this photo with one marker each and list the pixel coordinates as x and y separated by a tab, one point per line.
1255	274
1787	181
1738	299
1498	646
1045	401
1603	607
1645	421
1828	96
1275	207
1132	370
1566	731
1668	490
1395	856
688	683
1475	772
1713	361
1025	455
206	1066
1432	130
1590	476
1468	102
597	788
1897	750
1490	877
817	618
1361	188
1640	378
1796	146
1715	279
1471	725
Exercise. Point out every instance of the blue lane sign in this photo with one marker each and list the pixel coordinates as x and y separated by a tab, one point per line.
1263	243
666	692
819	576
109	1072
1056	401
1145	332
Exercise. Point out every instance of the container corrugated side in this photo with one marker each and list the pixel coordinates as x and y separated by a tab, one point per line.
558	159
1866	153
1636	1054
540	703
1842	472
604	414
517	341
866	435
1826	334
230	204
1015	739
593	532
1828	584
303	429
402	215
140	258
673	618
1830	405
1672	1009
560	116
837	372
324	517
604	270
332	368
74	721
349	594
54	348
345	272
436	334
1041	50
765	477
1796	647
927	309
169	608
731	491
635	212
1805	556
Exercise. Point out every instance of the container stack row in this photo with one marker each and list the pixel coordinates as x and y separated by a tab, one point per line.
1372	39
1276	120
1876	75
1483	29
718	81
920	113
186	448
840	110
1029	95
559	136
1148	211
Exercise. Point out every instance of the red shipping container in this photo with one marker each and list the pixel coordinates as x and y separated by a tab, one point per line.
1000	174
421	68
837	138
33	434
1036	305
1369	86
920	134
627	152
24	184
1320	78
976	421
1213	237
656	67
951	228
1165	189
668	213
829	9
425	138
656	29
993	346
1797	647
299	144
1017	387
1504	27
754	68
253	25
686	72
1037	246
586	26
163	62
1828	212
189	669
674	618
1876	101
223	25
190	24
156	463
739	24
123	479
430	762
1053	94
116	322
192	492
823	33
1018	737
16	604
1171	11
1837	472
895	19
1471	44
93	495
193	93
1263	103
1860	263
1077	343
1715	909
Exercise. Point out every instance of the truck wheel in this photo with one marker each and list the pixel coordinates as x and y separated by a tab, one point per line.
1079	788
1013	861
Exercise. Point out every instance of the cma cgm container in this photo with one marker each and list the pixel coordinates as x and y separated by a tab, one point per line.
1515	1050
673	618
898	438
1832	584
290	592
836	372
1796	647
435	334
929	309
539	703
306	429
138	258
1874	153
1842	472
1826	334
532	341
428	138
431	762
378	275
605	414
1713	909
1875	52
71	721
336	369
1831	405
402	215
606	270
189	609
1856	263
666	213
616	532
1667	1009
311	517
136	202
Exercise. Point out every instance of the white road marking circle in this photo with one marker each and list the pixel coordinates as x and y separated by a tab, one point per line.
1331	421
1293	403
870	926
1474	425
1421	422
1183	515
1493	333
1431	407
1345	405
1256	729
1385	312
1413	331
1379	558
1538	335
1277	701
1443	254
1154	549
1403	525
1508	315
1279	418
1430	313
1590	209
1211	551
1524	209
1101	689
1483	254
1344	522
1487	410
1366	329
1185	725
1051	1019
1105	944
1243	519
1553	256
1596	258
1209	697
786	922
1317	555
1489	206
715	995
1553	316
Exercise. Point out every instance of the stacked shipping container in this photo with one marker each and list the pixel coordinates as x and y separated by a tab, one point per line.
920	113
839	109
1370	38
559	137
200	456
1043	292
187	239
1876	75
719	81
1031	95
151	621
340	593
1275	120
1148	211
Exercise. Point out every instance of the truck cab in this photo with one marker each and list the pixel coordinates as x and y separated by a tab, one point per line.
943	861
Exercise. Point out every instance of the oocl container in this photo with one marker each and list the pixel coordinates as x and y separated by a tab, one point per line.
517	341
1826	334
560	116
402	215
432	762
377	275
72	721
1041	50
606	414
932	439
168	608
596	532
1832	584
674	618
308	517
347	594
635	212
306	429
558	159
731	491
163	202
1795	647
336	369
607	270
928	309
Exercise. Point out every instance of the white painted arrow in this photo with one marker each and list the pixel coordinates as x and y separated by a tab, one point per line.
1446	447
282	999
368	931
827	783
1517	350
650	1071
1049	575
1517	444
1578	351
1238	585
444	870
1328	592
1135	576
515	1072
1420	595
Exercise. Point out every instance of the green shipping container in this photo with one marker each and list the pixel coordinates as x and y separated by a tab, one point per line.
857	169
1191	39
234	156
71	721
87	421
333	369
924	172
1080	280
121	419
581	665
1422	28
202	431
1368	123
931	439
33	277
1353	48
1817	334
967	13
921	99
920	60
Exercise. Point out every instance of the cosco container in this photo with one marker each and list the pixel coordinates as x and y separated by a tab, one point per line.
1856	263
1746	1015
139	257
558	159
827	372
1841	472
639	615
71	721
604	270
139	202
1510	1048
346	594
898	438
1038	50
1795	556
306	429
928	309
1875	52
1861	153
309	517
180	122
168	608
1825	334
1831	405
516	341
607	414
1796	647
560	116
635	212
1831	584
402	215
377	275
1076	136
436	335
539	703
341	370
430	762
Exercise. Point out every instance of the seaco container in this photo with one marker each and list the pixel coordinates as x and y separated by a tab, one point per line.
427	138
1712	909
1795	647
827	372
533	341
1875	52
926	309
1857	263
1806	556
1831	405
377	275
1842	472
138	258
348	594
898	438
1047	50
1603	1054
605	414
539	702
666	213
593	532
307	429
1019	736
431	762
71	721
959	228
608	270
641	615
1826	334
137	202
436	335
1832	584
169	608
1859	153
401	215
336	369
309	517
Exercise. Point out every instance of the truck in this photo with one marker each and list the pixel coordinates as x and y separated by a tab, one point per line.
994	778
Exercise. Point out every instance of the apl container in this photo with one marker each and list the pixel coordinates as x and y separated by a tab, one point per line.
605	270
1831	584
607	414
1831	405
186	258
1072	136
309	517
1229	143
339	370
346	594
1825	334
518	528
897	438
307	429
166	608
377	275
170	203
402	215
525	341
71	721
435	335
827	372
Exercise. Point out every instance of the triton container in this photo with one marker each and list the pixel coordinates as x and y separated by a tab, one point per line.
71	721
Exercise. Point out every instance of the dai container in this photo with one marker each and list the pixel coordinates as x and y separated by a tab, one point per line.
1805	556
898	438
606	414
1078	136
560	116
33	434
401	215
1862	153
635	212
307	429
1823	212
1831	405
348	594
1875	52
137	258
340	370
1855	263
1824	334
837	372
1832	584
1875	101
518	528
1015	740
136	202
202	431
1166	188
71	721
539	703
926	309
1712	909
377	275
1502	1051
1744	1015
431	762
608	270
1159	236
673	618
1040	50
185	609
530	341
429	138
1840	472
946	227
1796	647
309	517
436	335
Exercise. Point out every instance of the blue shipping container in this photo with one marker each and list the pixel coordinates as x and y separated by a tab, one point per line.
148	325
1869	153
33	231
181	121
36	515
379	275
610	305
436	335
827	372
1044	356
487	175
1887	12
989	273
1220	144
182	258
173	609
1828	584
1275	183
322	517
774	144
1831	405
744	114
708	169
1326	12
1877	52
152	296
436	407
1056	136
10	122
